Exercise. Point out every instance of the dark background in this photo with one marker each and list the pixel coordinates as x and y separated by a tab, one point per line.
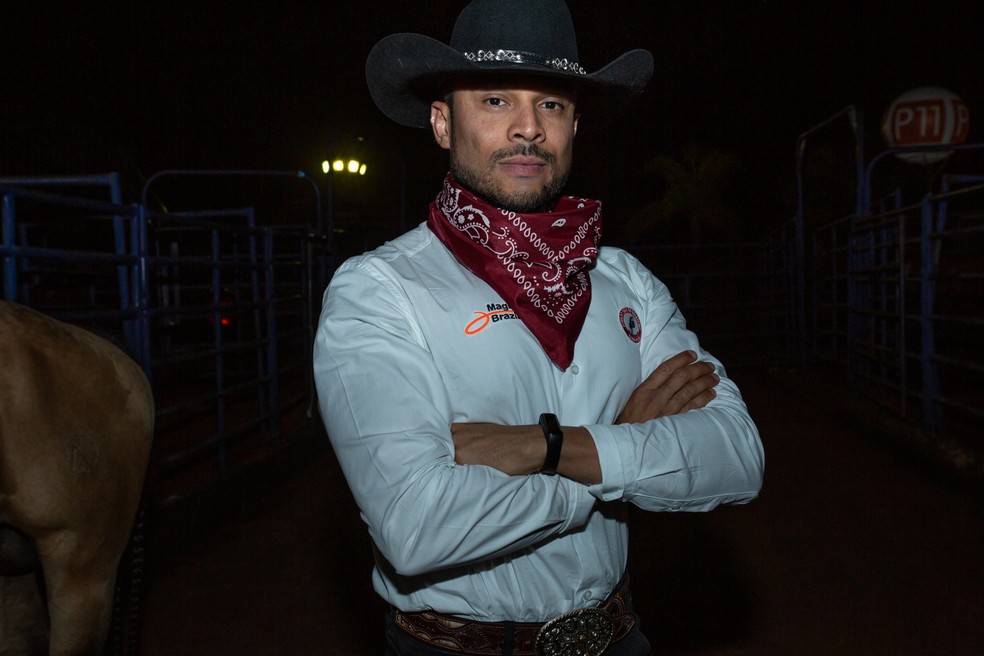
143	86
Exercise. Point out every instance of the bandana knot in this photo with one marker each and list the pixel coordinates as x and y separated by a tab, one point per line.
537	262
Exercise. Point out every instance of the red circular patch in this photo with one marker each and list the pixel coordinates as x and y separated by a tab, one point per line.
631	324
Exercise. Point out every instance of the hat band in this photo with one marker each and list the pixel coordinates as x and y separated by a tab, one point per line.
518	57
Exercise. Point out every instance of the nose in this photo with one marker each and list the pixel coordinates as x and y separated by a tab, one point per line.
527	125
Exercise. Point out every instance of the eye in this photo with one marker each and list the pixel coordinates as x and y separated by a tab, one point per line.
495	101
553	104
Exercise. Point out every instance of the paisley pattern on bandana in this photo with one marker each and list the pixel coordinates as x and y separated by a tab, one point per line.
537	262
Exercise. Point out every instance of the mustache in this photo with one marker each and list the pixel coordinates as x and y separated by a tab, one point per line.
522	150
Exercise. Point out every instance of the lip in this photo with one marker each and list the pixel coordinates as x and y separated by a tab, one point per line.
523	167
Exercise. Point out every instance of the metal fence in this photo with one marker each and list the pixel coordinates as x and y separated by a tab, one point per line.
893	291
898	299
739	298
217	309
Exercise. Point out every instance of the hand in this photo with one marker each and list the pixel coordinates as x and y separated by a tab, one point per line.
678	385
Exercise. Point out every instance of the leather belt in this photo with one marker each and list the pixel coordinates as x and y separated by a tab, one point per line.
588	631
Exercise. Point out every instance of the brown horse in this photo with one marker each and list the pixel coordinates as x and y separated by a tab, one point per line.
76	424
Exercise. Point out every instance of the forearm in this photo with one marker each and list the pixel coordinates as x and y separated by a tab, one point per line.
691	461
579	457
687	459
521	450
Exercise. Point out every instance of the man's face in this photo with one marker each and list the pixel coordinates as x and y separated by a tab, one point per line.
511	142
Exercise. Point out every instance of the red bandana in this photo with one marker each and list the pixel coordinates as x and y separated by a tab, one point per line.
538	263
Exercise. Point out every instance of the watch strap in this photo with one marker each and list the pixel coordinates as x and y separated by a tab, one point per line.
555	442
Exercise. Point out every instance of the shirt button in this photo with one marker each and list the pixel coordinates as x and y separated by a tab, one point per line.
587	595
574	369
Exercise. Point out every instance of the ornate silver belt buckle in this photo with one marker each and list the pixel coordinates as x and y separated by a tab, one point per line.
584	632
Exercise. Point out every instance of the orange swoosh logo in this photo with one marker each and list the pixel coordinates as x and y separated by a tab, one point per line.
483	319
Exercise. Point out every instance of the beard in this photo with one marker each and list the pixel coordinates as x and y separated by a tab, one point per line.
483	183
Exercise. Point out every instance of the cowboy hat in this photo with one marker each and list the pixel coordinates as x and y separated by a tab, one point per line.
405	71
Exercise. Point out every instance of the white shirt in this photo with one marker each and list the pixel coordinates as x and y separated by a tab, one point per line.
395	367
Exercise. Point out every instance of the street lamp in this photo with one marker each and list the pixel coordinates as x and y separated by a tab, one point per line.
332	167
340	166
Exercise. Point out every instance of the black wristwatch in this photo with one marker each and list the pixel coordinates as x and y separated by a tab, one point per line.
555	442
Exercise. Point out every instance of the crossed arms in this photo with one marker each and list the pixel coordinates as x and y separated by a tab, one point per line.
676	386
401	416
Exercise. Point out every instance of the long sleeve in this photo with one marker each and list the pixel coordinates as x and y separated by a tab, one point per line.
692	461
388	414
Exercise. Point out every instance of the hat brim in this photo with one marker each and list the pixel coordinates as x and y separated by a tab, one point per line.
405	73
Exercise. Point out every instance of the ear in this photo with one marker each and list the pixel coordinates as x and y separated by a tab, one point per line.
441	123
576	117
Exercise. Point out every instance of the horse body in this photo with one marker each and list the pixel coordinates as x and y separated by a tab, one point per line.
76	425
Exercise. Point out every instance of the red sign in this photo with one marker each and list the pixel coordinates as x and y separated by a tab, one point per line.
928	116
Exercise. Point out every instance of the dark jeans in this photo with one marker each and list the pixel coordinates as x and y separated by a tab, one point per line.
399	643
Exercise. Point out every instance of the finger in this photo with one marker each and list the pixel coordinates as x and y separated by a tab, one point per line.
670	366
693	391
700	400
686	375
699	370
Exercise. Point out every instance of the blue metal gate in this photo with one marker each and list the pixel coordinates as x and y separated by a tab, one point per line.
217	309
894	293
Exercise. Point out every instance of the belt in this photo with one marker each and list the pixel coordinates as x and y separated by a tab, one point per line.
585	632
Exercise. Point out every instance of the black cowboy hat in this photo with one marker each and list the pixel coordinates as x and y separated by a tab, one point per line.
405	71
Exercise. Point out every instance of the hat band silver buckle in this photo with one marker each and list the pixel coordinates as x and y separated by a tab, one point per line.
520	57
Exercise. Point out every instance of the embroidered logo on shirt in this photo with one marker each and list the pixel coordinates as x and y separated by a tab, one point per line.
494	313
631	324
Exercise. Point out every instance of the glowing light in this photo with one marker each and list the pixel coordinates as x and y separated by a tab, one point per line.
340	166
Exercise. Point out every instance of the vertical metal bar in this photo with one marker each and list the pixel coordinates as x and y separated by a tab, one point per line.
119	238
9	261
900	295
930	374
263	374
850	313
141	289
799	254
861	192
272	309
838	240
119	233
220	403
885	298
307	309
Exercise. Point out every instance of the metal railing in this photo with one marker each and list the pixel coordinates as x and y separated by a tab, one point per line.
217	310
739	298
898	300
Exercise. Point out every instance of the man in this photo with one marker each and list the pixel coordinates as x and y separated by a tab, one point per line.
493	383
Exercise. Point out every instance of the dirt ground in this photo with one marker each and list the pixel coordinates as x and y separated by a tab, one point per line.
854	547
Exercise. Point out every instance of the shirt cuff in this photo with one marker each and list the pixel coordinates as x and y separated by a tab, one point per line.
582	503
613	478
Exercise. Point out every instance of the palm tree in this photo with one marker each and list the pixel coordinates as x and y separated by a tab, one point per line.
697	182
